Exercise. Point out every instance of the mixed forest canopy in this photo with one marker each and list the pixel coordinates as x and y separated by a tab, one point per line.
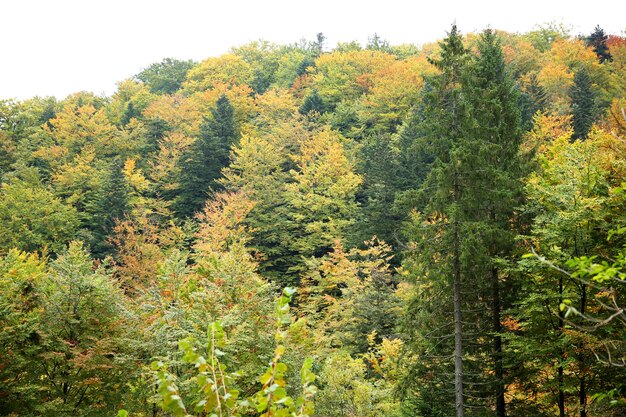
294	230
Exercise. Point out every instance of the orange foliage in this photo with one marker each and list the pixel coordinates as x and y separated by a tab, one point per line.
221	223
180	113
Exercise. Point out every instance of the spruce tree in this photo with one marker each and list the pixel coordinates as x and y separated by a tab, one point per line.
438	238
312	104
202	164
583	104
494	185
532	99
464	234
597	40
111	204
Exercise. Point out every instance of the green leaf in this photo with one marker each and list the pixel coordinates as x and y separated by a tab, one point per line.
266	377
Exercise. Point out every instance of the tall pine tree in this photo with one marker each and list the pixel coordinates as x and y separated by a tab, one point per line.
202	164
111	205
464	234
583	104
494	185
438	238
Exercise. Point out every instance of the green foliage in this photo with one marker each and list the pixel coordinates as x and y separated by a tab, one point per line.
21	330
111	205
202	190
33	219
201	165
312	104
215	397
165	77
583	104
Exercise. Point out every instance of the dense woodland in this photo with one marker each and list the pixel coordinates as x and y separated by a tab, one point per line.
295	230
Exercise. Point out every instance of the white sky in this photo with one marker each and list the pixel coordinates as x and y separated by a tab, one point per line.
57	47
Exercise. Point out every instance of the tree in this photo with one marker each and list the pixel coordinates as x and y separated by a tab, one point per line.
472	118
264	58
228	69
495	184
167	76
597	40
261	168
85	337
111	206
443	126
376	43
21	331
570	200
321	195
33	219
201	165
312	104
304	185
583	104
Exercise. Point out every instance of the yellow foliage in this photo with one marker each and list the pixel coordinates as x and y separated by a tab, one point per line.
347	75
557	80
546	129
183	115
227	69
240	97
164	169
134	176
395	89
221	223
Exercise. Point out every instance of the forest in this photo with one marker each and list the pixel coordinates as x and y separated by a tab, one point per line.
299	230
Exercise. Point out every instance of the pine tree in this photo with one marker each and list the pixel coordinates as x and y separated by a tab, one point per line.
583	104
111	205
202	164
495	186
597	40
443	127
472	119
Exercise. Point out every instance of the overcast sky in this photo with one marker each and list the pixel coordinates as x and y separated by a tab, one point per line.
57	47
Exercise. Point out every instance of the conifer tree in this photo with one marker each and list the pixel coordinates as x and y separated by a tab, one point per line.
443	192
494	185
111	205
532	100
583	104
473	122
202	164
597	40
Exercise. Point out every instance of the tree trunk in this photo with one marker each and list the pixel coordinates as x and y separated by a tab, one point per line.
582	392
458	331
497	345
561	399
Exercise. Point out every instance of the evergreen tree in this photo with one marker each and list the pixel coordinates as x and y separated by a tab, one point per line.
111	205
379	167
466	228
532	99
312	104
201	165
443	126
597	40
583	104
495	188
